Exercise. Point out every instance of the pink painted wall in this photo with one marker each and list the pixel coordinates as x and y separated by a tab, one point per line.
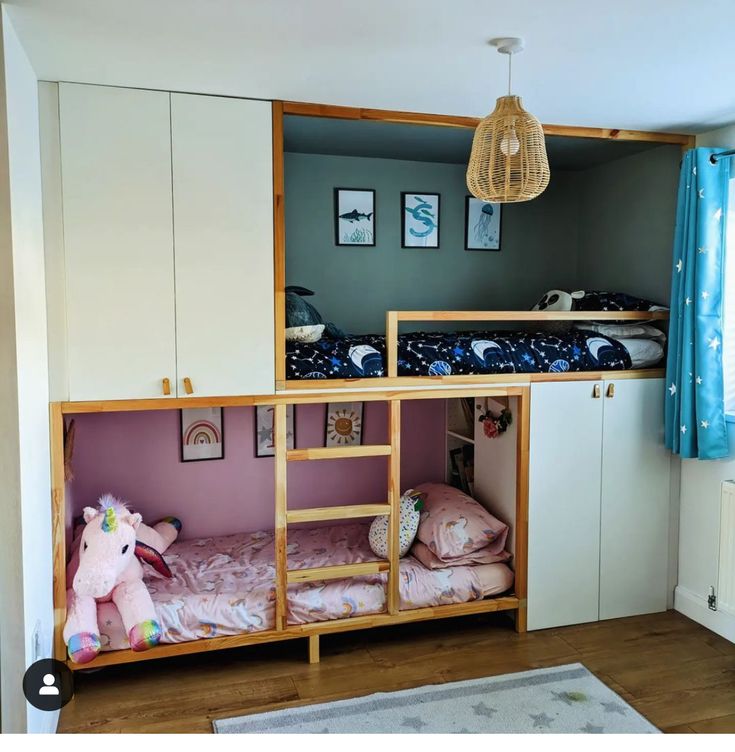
136	456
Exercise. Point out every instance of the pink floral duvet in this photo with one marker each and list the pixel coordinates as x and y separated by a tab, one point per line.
226	585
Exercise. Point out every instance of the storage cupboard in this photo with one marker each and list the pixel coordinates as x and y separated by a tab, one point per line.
598	501
167	243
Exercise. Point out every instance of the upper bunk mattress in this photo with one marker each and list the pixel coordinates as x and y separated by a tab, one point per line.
226	585
445	354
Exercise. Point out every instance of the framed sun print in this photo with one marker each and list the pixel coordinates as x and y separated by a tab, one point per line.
419	220
202	434
481	225
344	424
264	416
354	216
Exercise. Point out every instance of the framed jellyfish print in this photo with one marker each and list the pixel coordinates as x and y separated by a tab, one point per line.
419	219
344	424
202	434
481	225
264	416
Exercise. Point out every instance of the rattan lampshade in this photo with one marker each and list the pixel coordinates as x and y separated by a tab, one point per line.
508	161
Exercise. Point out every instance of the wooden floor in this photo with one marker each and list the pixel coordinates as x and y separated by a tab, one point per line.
676	673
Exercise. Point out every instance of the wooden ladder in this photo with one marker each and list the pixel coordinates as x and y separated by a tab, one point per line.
284	516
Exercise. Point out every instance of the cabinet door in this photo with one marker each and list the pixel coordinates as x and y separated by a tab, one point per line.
223	220
564	503
118	241
635	500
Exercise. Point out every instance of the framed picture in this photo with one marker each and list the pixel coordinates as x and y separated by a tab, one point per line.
419	220
344	424
202	434
354	216
481	225
264	416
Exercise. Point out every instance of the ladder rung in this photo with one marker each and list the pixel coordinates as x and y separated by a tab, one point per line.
337	572
317	514
333	453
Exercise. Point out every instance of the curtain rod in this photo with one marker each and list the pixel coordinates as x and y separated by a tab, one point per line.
717	157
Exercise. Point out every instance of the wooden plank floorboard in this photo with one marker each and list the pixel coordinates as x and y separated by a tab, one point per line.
675	672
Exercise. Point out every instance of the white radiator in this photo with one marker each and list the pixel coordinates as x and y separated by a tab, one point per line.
726	576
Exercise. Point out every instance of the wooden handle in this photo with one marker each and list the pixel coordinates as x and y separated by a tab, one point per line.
188	388
596	391
610	390
166	384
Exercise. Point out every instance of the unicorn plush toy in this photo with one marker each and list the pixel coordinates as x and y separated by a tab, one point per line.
105	566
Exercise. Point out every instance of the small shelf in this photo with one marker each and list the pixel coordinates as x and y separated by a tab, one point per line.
459	436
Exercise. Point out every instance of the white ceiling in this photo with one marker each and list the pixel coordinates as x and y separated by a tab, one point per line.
648	64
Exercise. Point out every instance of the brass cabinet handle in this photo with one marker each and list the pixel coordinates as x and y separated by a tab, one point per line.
188	388
166	384
596	391
610	390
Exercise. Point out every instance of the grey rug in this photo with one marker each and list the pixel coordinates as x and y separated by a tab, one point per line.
566	700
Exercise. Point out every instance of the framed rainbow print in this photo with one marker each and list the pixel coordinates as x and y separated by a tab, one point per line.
202	434
264	415
344	423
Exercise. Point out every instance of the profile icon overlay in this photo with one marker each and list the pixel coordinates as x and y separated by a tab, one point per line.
48	684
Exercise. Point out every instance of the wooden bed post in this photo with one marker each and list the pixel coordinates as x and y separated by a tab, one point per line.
521	533
280	444
314	648
279	246
394	499
391	343
58	528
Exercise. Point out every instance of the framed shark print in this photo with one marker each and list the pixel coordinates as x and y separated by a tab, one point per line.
420	220
354	216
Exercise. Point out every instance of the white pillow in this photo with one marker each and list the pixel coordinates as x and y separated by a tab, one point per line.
643	352
304	333
624	331
411	505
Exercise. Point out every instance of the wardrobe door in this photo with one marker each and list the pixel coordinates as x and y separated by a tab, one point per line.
223	220
118	241
564	503
635	500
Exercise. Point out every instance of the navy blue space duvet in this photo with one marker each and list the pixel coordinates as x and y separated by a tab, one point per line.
446	354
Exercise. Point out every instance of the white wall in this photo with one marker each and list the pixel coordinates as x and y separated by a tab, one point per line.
699	521
26	616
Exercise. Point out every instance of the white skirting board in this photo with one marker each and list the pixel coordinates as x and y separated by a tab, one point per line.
695	607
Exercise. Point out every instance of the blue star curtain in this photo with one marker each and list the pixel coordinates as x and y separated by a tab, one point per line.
695	418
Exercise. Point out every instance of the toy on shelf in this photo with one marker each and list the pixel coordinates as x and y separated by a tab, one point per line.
105	566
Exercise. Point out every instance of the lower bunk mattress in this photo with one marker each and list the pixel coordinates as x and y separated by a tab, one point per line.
478	352
226	585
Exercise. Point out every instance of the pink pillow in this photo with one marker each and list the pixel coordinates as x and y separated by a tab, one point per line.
430	560
453	524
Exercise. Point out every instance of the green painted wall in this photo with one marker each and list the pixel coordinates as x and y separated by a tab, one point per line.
356	285
626	224
610	227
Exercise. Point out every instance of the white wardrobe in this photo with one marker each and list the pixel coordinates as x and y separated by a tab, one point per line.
160	223
599	501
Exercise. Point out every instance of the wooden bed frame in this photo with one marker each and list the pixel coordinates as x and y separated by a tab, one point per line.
281	109
393	318
515	602
392	389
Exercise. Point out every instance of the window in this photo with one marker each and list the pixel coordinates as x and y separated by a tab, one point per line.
728	323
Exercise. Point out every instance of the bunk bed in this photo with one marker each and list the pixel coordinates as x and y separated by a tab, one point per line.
287	580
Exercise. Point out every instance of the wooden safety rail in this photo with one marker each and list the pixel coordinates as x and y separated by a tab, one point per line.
393	318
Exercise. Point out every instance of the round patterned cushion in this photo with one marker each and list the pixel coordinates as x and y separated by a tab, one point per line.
411	505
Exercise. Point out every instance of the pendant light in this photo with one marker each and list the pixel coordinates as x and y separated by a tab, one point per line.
508	161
